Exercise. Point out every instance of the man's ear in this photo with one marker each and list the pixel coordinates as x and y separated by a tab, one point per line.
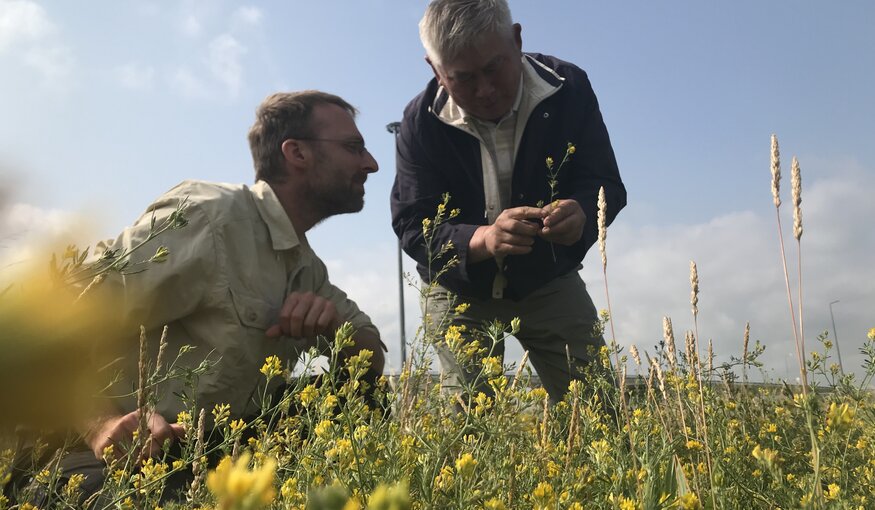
517	36
294	153
434	69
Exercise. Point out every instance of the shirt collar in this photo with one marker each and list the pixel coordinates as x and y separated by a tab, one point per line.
282	232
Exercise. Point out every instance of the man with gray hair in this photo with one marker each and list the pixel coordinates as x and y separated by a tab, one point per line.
490	129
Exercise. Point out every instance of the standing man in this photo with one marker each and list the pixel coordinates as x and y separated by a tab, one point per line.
241	282
482	130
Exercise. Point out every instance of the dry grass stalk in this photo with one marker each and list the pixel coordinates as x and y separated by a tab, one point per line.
143	439
519	370
776	187
162	348
633	351
602	225
198	466
744	353
545	420
668	336
573	425
602	237
796	192
776	172
710	358
694	292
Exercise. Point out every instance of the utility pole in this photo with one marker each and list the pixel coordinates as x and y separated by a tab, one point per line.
395	128
836	337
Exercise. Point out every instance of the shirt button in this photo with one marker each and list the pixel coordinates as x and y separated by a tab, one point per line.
491	207
522	196
251	315
546	115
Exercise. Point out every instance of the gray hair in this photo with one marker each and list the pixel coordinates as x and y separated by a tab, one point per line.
451	26
282	116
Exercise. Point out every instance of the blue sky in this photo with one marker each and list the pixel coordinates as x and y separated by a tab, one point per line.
105	105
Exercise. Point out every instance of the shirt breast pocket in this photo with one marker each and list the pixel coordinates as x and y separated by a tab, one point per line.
253	312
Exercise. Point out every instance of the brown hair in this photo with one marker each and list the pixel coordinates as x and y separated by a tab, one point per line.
282	116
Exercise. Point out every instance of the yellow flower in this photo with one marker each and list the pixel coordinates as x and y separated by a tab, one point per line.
689	501
237	426
571	148
289	490
543	495
221	413
71	490
694	445
236	487
308	394
832	491
323	429
462	308
549	162
765	455
494	504
465	464
871	334
492	366
444	480
839	416
272	367
396	497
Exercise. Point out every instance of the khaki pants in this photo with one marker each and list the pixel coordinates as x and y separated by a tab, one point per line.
556	326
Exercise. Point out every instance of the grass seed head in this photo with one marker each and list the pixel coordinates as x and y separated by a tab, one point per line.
694	286
796	186
602	225
668	336
776	172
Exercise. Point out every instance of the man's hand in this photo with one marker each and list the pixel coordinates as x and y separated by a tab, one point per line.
563	223
118	431
305	315
513	233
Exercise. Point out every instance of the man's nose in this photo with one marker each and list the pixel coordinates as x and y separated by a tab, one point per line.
485	88
370	164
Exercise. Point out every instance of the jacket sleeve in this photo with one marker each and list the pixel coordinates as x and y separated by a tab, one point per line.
420	183
595	165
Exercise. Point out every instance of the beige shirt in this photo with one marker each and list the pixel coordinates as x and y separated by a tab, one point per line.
225	280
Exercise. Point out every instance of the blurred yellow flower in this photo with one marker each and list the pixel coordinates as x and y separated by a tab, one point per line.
839	416
465	464
494	504
236	487
871	334
395	497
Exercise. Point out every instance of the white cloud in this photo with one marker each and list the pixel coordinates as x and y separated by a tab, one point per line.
225	53
190	25
186	83
135	76
29	233
22	21
740	272
247	15
54	62
30	36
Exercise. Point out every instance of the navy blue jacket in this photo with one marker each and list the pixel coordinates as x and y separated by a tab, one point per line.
434	158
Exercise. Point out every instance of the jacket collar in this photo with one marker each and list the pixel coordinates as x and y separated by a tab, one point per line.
282	232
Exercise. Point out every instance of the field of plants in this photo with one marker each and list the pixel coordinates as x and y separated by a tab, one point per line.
667	429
